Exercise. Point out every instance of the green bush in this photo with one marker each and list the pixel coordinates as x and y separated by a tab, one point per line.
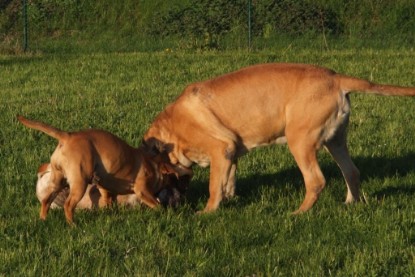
206	19
211	19
294	18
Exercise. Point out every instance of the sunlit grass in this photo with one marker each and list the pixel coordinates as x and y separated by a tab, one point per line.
251	234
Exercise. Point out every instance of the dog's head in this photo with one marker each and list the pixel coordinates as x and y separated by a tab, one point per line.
175	179
174	175
175	182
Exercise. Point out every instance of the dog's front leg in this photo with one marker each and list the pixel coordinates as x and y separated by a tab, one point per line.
144	194
221	168
106	199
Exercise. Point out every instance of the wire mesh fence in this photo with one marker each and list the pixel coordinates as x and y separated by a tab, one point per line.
199	24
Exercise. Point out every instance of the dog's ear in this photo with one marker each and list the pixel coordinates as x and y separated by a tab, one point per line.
168	147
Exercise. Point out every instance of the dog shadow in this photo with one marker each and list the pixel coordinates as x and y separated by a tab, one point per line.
289	180
383	168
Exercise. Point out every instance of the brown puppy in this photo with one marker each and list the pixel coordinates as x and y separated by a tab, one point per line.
90	200
217	121
98	157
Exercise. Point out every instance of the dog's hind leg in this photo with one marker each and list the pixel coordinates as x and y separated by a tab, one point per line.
55	185
304	150
337	147
106	199
77	190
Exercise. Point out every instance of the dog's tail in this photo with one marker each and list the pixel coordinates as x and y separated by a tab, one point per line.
349	84
49	130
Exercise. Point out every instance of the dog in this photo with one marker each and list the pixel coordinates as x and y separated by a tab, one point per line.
90	200
214	122
170	196
99	157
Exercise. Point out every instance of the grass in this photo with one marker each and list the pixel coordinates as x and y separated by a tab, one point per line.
251	234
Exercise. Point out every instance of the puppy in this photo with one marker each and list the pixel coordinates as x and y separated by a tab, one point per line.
90	200
215	122
170	196
101	158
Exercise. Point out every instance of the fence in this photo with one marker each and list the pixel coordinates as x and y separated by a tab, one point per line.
199	24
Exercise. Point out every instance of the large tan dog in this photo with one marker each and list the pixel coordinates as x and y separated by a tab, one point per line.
98	157
216	121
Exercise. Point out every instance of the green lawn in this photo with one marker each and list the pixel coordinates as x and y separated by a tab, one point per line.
251	234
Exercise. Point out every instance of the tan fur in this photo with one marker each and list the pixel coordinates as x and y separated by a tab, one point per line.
99	157
216	121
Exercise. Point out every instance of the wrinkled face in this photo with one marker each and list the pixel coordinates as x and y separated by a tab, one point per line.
175	178
174	190
159	153
181	183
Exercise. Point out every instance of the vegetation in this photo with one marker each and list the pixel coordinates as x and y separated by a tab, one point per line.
251	234
204	24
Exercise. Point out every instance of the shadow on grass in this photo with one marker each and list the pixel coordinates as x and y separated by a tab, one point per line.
382	168
290	180
21	60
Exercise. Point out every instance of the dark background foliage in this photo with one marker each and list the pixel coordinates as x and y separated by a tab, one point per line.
206	23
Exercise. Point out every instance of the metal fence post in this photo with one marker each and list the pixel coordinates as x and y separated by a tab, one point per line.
25	30
249	24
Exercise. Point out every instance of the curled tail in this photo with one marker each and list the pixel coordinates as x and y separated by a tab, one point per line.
49	130
348	84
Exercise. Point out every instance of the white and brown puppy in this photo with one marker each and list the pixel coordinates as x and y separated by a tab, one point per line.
90	200
170	196
99	157
216	121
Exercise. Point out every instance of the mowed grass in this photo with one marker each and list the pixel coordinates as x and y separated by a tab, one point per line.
252	234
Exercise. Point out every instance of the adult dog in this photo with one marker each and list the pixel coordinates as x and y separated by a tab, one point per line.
99	157
216	121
